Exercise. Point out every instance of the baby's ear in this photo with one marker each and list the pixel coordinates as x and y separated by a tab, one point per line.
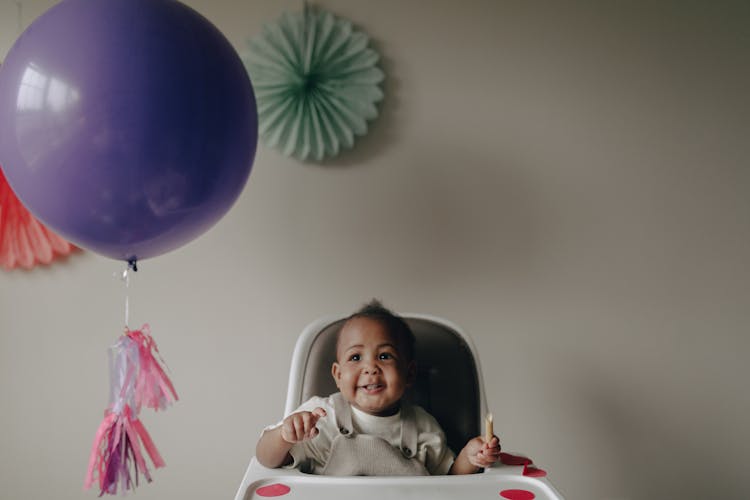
336	372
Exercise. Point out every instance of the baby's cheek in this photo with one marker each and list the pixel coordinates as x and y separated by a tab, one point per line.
348	383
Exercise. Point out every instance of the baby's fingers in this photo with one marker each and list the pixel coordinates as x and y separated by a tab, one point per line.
308	424
493	445
311	420
493	454
319	412
300	429
316	415
479	460
486	458
289	431
301	426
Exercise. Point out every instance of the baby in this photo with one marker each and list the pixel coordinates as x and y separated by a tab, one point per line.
366	428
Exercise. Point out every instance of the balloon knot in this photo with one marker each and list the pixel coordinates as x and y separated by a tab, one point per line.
133	264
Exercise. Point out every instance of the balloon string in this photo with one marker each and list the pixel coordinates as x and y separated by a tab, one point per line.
126	279
132	265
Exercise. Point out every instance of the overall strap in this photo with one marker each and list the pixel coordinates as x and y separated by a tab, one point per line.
409	432
343	415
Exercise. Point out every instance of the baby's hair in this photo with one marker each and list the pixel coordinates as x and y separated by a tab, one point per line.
394	323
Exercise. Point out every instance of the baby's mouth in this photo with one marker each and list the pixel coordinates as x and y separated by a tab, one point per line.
372	388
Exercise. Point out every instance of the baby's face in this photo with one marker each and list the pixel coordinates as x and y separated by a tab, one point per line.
370	370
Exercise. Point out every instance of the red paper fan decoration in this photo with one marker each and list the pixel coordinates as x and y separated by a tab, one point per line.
24	241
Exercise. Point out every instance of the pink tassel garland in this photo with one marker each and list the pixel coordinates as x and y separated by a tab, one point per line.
136	379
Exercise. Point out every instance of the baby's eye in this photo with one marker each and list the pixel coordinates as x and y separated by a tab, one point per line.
385	355
354	357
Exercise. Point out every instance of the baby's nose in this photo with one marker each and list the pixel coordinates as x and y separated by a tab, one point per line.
371	368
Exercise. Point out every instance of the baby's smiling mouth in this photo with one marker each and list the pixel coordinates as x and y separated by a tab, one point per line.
372	387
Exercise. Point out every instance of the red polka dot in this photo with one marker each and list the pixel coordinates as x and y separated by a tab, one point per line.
517	495
534	471
273	490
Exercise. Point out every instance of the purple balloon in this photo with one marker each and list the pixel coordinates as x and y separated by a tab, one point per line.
127	126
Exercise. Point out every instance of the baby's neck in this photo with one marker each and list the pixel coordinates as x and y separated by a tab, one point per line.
388	412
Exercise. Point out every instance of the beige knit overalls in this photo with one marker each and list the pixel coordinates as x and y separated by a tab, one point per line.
355	454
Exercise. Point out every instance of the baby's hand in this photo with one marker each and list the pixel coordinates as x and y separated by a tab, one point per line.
301	426
481	453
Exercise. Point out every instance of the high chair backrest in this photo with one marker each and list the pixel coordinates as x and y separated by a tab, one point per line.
449	379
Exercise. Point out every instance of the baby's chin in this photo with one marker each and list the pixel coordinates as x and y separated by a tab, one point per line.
379	410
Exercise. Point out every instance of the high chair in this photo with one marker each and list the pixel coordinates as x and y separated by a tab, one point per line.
448	385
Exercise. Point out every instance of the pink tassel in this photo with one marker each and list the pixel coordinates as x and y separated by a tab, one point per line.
148	444
98	458
116	457
153	387
136	379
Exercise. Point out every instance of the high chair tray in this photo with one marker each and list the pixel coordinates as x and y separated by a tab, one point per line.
501	482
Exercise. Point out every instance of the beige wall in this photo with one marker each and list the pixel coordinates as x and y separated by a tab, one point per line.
569	183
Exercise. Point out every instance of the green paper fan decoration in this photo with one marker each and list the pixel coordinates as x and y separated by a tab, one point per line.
316	83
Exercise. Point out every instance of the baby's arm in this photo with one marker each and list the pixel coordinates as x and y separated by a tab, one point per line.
476	454
274	445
